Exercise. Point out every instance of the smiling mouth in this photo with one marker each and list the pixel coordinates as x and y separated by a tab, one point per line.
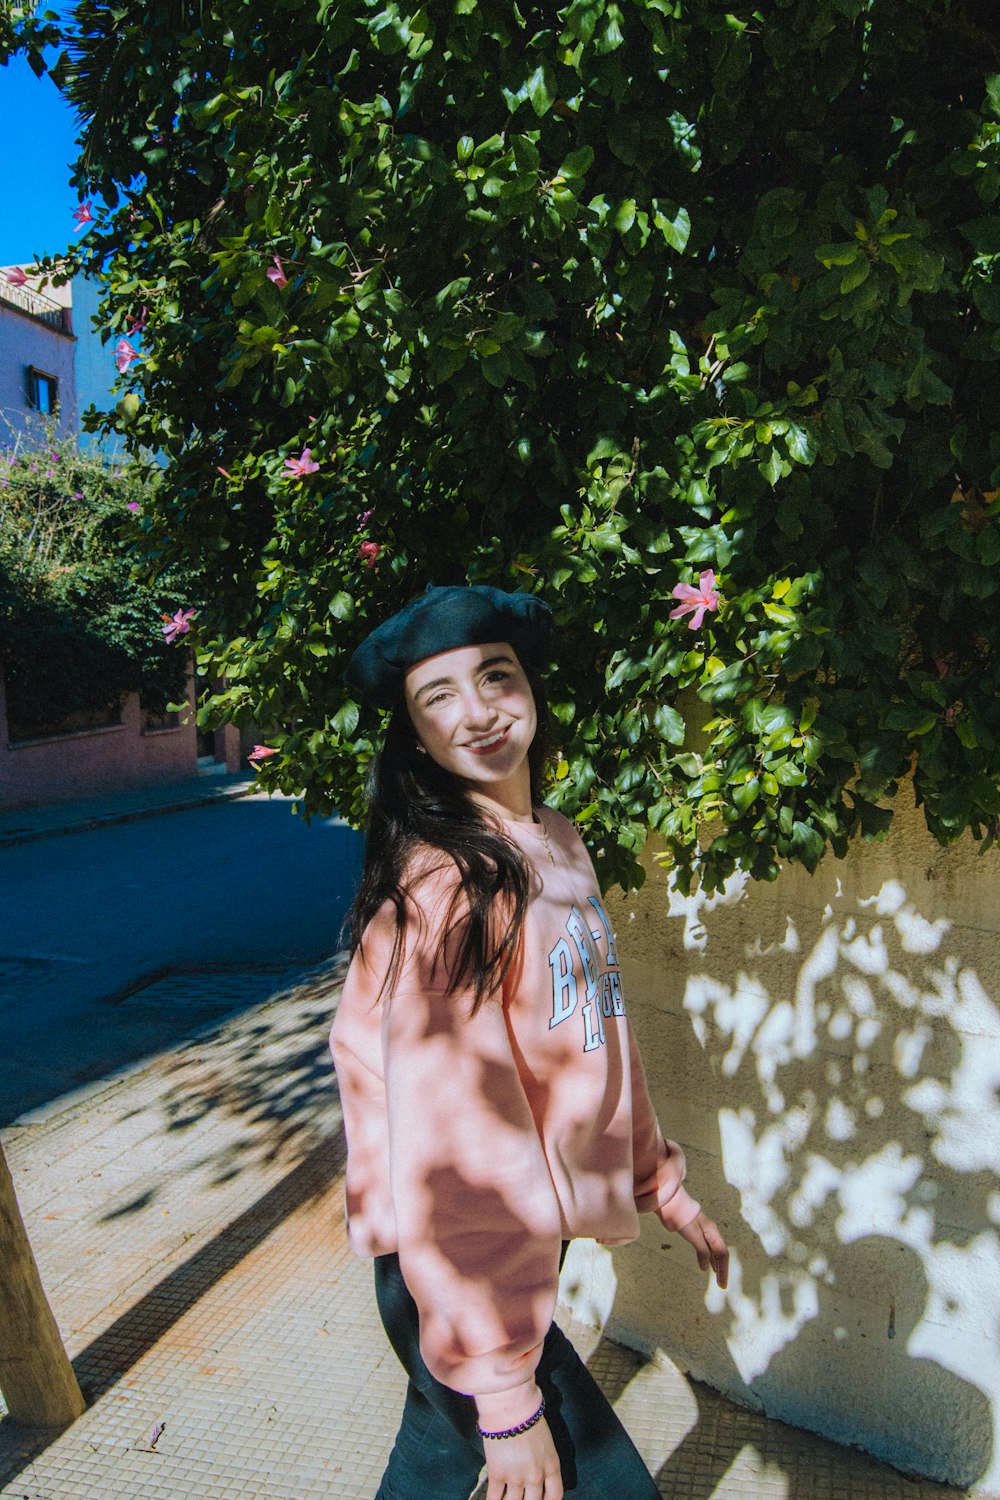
492	742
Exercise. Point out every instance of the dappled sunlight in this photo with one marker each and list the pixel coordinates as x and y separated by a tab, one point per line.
764	1321
164	1189
857	1055
246	1110
588	1286
266	1090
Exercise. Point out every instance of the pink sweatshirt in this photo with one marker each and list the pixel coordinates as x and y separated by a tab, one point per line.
476	1144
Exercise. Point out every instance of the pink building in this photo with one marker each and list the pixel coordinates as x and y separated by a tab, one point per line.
135	751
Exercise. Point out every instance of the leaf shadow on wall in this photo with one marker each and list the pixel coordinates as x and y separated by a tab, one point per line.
856	1089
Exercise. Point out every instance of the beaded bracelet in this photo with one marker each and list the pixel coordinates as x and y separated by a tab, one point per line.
515	1431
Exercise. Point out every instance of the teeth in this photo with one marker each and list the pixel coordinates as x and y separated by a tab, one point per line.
482	744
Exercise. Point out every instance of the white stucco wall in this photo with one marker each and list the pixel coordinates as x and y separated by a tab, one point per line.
827	1048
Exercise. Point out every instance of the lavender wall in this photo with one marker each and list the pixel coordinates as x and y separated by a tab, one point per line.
26	338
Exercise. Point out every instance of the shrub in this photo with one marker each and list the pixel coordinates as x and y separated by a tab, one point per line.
77	628
591	300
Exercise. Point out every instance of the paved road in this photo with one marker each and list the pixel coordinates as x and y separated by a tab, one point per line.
232	888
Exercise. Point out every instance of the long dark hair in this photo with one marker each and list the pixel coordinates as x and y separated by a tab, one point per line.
413	804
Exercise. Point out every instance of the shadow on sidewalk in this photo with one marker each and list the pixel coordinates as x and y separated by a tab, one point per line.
256	1095
114	1352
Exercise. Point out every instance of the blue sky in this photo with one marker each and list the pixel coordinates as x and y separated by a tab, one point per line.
38	130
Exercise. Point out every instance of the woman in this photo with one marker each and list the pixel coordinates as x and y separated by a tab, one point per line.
494	1101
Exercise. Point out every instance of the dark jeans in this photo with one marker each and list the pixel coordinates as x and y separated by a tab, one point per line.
438	1455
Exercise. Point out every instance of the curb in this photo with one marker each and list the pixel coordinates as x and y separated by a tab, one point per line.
133	815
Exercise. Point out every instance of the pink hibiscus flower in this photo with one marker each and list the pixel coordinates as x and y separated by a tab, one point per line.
125	355
695	601
178	624
369	551
297	468
16	276
83	216
276	273
262	752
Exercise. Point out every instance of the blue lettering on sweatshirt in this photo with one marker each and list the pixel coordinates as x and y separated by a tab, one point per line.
592	958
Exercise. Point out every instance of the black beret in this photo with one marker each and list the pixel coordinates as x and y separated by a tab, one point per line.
442	619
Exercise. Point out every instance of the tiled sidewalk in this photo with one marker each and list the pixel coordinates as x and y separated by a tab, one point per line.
188	1226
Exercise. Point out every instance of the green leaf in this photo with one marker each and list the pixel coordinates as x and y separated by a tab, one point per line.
451	293
625	671
855	275
345	721
838	255
773	468
914	720
800	445
581	18
807	845
669	724
675	228
526	155
624	216
541	90
577	164
746	794
342	606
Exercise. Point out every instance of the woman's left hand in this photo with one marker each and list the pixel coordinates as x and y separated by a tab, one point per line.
709	1246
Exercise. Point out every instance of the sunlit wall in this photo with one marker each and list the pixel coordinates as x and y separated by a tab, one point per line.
828	1050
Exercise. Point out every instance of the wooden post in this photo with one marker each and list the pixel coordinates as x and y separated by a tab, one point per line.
36	1377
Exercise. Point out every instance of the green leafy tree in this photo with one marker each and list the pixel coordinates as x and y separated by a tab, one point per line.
28	29
593	300
78	626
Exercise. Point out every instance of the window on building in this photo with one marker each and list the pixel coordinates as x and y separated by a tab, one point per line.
43	391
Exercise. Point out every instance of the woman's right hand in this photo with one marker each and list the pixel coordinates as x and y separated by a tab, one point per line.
709	1247
525	1467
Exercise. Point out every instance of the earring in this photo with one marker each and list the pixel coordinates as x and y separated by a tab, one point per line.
420	749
